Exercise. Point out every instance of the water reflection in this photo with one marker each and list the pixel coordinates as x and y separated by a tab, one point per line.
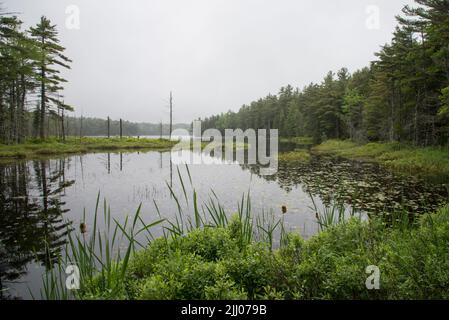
39	200
31	217
365	186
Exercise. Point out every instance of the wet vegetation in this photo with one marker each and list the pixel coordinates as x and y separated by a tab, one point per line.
223	259
382	203
71	145
401	157
298	155
212	264
216	255
364	186
248	255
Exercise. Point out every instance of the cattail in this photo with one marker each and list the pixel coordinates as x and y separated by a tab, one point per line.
284	209
83	228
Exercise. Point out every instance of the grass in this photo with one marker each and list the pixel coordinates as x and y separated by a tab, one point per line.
72	145
401	157
104	257
216	255
35	148
97	257
298	140
332	214
298	155
214	263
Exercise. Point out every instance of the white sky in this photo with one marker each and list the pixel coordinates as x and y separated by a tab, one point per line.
214	55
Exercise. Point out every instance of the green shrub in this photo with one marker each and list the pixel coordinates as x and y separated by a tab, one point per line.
252	269
211	263
211	244
225	289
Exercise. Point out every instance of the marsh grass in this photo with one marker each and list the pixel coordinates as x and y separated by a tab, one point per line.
298	155
298	140
103	256
73	145
209	256
400	157
333	213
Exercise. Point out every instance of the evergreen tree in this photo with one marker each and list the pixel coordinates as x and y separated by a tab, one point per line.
51	56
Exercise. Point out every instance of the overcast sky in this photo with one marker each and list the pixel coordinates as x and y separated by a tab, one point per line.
215	55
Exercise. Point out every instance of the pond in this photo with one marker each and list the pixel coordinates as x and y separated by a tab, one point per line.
40	199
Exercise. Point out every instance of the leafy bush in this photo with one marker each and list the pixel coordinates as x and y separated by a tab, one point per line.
213	263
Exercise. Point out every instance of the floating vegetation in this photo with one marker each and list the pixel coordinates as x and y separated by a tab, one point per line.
366	186
298	155
430	161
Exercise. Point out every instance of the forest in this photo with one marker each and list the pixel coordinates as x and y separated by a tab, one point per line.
88	126
31	86
401	96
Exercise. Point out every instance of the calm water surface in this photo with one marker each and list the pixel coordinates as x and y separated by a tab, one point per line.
40	199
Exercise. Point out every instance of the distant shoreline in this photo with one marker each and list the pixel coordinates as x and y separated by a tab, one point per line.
74	145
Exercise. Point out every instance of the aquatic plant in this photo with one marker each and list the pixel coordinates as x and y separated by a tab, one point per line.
72	145
103	258
212	255
298	155
398	156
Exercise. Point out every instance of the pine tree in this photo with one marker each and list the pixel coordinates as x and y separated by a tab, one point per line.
51	56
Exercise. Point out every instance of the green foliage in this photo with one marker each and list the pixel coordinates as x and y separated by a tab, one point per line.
213	263
299	155
401	157
53	146
50	56
298	140
211	244
30	62
402	96
332	265
444	110
99	127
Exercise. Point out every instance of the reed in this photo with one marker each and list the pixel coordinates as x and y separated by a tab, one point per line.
332	214
103	257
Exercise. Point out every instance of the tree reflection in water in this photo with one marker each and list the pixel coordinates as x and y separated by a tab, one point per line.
32	224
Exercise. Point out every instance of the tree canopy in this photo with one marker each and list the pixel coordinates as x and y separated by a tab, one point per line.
30	82
402	96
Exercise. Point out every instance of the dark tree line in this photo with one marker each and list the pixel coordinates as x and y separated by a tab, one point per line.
74	126
403	96
30	81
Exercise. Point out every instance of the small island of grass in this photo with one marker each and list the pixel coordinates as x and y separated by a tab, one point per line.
395	155
34	148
